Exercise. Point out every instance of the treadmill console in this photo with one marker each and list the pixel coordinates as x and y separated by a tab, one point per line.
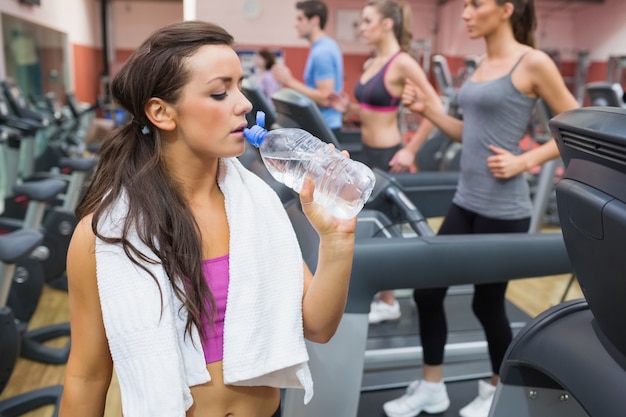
591	200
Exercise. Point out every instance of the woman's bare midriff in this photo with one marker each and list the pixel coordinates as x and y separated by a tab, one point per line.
380	129
214	399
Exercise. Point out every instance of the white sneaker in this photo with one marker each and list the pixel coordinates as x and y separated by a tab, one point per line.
481	404
381	311
429	397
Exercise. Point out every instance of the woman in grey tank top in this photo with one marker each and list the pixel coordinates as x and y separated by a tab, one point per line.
492	196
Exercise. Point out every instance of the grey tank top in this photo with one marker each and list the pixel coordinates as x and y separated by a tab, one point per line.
496	113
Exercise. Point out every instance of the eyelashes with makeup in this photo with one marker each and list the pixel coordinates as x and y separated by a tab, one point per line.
222	96
219	97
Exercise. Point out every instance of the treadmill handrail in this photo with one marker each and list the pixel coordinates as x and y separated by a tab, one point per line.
442	261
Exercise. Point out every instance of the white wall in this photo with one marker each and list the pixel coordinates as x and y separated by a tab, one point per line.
133	22
556	28
274	25
602	29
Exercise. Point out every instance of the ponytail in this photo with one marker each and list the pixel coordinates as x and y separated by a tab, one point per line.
405	36
523	21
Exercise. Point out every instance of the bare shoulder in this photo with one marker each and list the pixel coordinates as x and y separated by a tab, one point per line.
541	77
81	258
84	236
538	60
405	66
405	60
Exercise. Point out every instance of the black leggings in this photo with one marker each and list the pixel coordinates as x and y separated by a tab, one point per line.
378	157
488	302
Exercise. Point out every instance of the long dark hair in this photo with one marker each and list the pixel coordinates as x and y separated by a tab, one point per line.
400	14
132	160
523	20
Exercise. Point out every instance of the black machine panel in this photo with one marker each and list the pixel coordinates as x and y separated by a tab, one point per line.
592	207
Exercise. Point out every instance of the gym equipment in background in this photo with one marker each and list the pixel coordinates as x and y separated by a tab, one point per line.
259	103
294	109
389	261
571	359
14	246
605	93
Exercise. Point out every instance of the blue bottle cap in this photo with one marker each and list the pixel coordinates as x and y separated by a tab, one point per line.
260	118
256	134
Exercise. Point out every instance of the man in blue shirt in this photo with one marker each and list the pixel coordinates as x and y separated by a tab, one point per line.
323	73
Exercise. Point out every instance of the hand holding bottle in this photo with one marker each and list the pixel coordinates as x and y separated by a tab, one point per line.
342	185
321	219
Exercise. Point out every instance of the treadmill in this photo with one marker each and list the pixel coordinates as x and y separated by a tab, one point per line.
294	109
352	376
571	359
390	354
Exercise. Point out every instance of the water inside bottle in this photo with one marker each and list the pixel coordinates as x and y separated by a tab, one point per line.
286	169
291	171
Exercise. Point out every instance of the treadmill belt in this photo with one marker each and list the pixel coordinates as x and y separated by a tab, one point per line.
458	311
461	393
463	330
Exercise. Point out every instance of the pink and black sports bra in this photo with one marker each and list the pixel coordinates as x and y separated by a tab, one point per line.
215	273
373	95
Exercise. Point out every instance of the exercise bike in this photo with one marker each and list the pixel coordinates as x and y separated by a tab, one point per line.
13	247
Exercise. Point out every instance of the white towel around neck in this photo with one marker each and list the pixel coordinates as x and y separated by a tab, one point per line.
155	361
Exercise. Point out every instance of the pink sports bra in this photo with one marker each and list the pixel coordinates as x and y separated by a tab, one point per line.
215	273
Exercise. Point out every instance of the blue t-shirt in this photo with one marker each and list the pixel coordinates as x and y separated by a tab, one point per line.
325	62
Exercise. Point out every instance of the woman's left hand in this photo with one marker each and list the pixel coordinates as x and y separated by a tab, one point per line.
402	161
321	220
504	164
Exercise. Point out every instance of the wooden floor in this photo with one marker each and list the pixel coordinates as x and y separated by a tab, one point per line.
531	295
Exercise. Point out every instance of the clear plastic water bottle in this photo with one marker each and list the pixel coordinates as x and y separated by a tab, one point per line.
342	185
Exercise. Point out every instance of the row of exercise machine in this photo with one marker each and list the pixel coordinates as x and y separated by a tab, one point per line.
44	164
